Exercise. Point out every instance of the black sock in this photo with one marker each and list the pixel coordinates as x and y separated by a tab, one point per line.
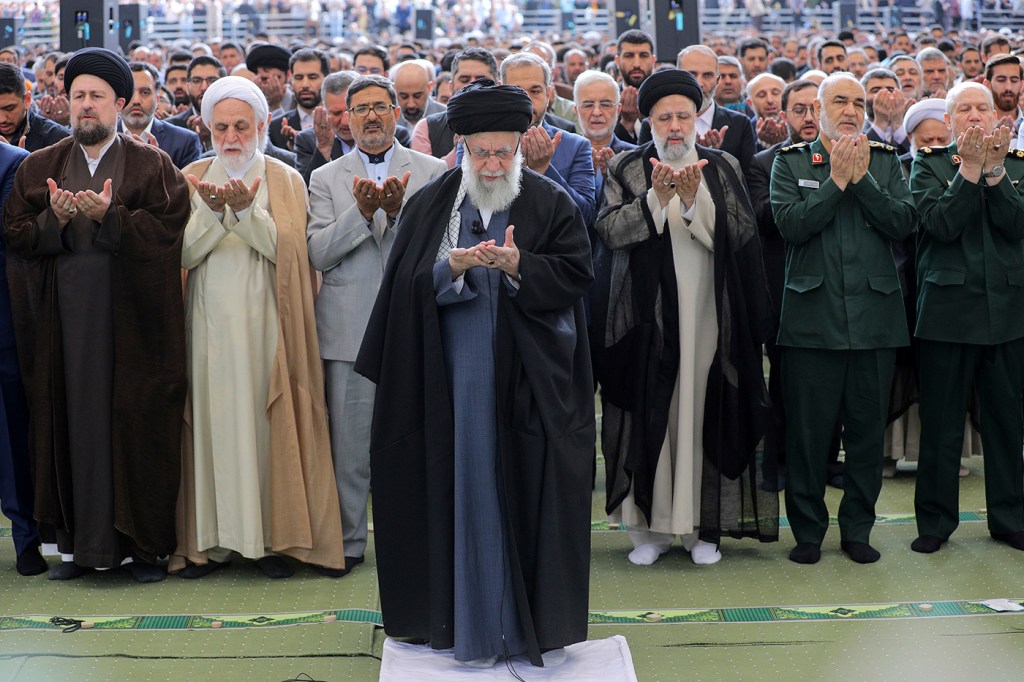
805	553
926	544
1014	539
861	552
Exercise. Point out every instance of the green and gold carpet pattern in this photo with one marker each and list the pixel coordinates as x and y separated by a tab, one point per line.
768	614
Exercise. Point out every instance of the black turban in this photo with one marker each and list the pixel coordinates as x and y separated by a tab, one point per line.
483	107
268	56
104	64
668	82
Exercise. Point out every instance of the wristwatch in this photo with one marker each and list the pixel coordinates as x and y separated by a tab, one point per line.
994	172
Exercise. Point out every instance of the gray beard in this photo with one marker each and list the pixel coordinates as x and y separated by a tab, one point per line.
495	195
92	135
676	150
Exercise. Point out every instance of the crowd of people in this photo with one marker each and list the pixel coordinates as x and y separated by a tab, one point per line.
243	284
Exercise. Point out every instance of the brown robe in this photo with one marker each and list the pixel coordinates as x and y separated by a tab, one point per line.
142	234
305	515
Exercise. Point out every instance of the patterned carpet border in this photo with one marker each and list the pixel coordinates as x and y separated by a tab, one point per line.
757	614
880	520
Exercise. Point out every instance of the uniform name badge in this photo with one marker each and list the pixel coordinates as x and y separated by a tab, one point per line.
812	184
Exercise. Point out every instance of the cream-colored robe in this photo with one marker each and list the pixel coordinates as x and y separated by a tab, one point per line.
304	517
677	479
231	335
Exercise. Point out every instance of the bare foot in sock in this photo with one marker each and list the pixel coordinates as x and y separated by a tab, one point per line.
485	662
705	554
553	657
645	555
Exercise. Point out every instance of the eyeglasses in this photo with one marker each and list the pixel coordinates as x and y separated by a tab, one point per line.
363	110
196	80
503	154
800	110
376	70
605	104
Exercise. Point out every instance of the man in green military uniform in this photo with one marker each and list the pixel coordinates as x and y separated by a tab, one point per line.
970	316
839	201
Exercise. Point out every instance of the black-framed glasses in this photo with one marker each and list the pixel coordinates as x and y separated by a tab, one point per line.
210	80
363	110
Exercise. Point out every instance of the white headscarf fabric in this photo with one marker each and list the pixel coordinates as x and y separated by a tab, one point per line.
234	87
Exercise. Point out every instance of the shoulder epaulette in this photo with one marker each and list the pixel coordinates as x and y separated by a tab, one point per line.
793	148
881	145
933	150
1016	153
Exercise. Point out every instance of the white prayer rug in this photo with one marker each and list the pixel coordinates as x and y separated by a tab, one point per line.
608	660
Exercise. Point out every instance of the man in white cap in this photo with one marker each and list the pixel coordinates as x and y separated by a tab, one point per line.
257	474
926	127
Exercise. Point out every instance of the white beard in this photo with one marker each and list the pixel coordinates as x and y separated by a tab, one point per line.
674	151
235	163
493	195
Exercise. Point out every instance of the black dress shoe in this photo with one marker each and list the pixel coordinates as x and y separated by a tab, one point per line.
67	570
926	544
31	562
1014	539
196	571
274	567
350	563
146	573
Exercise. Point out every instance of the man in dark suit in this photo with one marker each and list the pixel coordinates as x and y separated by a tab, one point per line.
802	123
414	81
20	125
16	490
203	71
635	59
183	146
308	70
886	106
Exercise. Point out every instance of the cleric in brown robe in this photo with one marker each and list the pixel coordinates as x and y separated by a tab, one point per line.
100	328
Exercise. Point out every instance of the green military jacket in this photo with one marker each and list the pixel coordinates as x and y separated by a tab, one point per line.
842	289
970	254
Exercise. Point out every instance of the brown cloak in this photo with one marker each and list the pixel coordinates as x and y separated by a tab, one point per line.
143	230
305	515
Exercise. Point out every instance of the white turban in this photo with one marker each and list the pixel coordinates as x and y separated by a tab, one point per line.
929	108
234	87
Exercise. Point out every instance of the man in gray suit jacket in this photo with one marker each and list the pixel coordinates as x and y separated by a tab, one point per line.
354	202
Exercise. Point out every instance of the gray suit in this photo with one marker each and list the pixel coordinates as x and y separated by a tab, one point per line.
352	255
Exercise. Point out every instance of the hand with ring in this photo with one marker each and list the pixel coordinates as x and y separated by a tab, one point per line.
62	202
392	194
209	193
663	182
367	196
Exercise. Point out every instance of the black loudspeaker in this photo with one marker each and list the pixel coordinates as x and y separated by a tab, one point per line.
568	22
424	28
847	14
627	15
89	23
676	25
11	31
132	25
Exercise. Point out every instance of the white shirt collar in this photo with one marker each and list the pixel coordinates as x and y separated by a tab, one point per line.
94	163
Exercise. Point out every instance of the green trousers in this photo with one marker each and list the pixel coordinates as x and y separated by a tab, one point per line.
948	372
822	388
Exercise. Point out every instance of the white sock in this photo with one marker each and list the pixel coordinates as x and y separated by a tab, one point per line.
485	662
645	555
705	554
553	657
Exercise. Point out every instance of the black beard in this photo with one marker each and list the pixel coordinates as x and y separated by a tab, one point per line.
93	135
626	79
312	104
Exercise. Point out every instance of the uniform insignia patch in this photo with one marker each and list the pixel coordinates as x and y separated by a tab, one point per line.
817	158
955	159
926	150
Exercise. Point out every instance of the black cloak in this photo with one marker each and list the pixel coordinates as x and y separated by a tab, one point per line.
546	429
638	371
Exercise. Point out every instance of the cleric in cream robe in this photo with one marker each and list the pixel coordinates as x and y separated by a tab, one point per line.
684	396
235	326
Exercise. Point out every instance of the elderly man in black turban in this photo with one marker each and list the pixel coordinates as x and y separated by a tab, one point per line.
483	425
97	307
682	386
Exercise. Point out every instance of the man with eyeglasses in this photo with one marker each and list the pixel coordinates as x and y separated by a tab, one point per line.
202	72
354	202
839	202
682	385
597	111
802	123
561	156
308	68
272	66
885	108
371	61
483	425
